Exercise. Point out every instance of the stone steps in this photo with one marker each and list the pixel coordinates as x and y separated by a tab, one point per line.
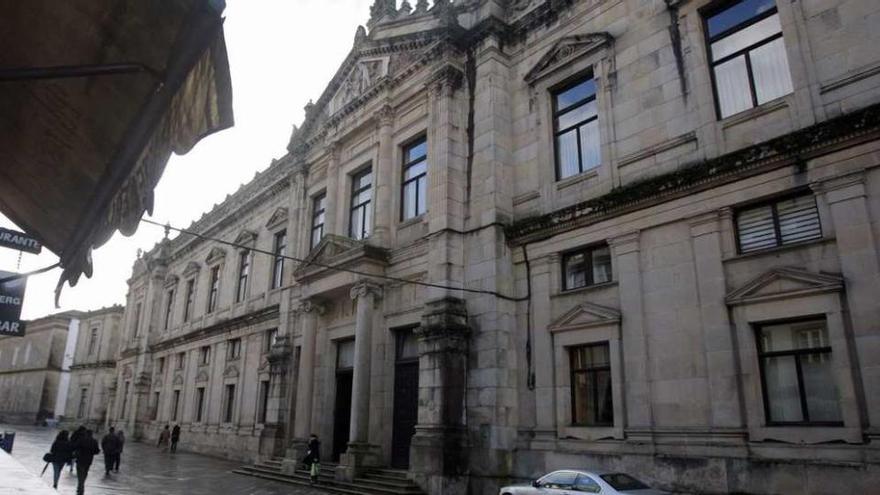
373	482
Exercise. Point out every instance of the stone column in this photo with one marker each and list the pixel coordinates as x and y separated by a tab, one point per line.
384	172
638	397
438	455
718	344
359	451
309	310
542	349
331	224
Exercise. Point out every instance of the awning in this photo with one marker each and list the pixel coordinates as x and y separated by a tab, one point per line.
94	97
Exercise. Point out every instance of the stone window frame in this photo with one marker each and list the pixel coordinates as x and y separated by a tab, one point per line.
200	410
93	346
557	114
749	308
230	410
279	260
599	62
405	146
215	280
313	227
564	336
262	407
593	369
244	273
369	205
773	202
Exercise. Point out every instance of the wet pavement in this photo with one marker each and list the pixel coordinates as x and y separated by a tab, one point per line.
147	471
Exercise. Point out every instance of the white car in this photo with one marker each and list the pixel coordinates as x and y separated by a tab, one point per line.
572	482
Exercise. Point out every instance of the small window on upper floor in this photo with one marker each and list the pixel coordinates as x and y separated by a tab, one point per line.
747	55
93	341
587	266
576	128
181	360
233	349
782	222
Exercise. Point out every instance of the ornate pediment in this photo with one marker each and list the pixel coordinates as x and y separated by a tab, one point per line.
246	238
566	50
784	282
202	377
192	268
277	218
337	250
585	315
216	255
171	280
231	371
178	379
365	73
264	366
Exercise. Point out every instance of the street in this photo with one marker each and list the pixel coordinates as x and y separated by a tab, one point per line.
146	470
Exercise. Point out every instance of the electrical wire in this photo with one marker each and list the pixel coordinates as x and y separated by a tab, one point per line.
303	262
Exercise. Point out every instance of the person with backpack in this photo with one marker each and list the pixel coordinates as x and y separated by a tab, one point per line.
74	438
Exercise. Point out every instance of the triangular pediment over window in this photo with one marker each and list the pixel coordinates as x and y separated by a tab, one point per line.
335	250
785	282
231	371
215	256
178	380
585	315
566	50
192	268
246	238
171	280
277	218
202	377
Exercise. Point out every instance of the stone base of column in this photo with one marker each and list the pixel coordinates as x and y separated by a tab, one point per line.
439	460
294	455
358	457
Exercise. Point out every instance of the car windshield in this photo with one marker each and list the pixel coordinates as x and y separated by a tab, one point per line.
623	482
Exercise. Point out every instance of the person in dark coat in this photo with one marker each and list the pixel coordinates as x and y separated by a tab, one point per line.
175	437
121	436
74	438
85	449
313	457
62	453
110	446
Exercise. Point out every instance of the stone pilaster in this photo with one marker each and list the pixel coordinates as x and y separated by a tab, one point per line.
384	172
438	455
332	224
360	453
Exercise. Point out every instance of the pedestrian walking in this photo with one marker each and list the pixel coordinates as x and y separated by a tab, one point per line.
61	452
164	438
313	458
110	446
74	439
175	437
121	436
85	449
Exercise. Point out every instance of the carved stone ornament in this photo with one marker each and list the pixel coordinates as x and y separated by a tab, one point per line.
178	380
365	287
231	371
171	280
192	268
215	256
311	305
566	50
385	115
277	218
784	283
202	377
246	238
365	73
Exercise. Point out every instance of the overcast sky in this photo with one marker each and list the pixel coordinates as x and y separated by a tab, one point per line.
281	53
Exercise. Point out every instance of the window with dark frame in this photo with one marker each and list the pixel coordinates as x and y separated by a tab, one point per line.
200	404
175	405
156	397
781	222
169	305
214	289
797	374
414	190
264	401
319	206
160	365
747	55
361	204
576	128
269	340
205	354
591	403
244	270
181	360
137	319
229	403
584	267
233	349
188	302
280	250
83	402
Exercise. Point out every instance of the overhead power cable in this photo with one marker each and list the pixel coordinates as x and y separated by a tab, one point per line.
338	268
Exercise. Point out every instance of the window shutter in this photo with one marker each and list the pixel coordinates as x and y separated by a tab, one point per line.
798	219
755	229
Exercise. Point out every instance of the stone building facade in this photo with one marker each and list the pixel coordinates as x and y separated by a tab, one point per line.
536	234
34	369
93	370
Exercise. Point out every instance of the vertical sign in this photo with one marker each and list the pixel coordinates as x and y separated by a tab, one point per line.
11	299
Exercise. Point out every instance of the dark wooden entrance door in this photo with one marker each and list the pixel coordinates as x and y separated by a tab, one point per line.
342	412
406	412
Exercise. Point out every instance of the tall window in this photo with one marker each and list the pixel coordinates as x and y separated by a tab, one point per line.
747	52
190	293
93	341
175	405
124	409
319	205
782	222
585	267
280	250
205	354
269	339
264	401
169	305
156	397
214	289
415	183
181	360
83	403
229	403
233	349
797	374
361	204
244	269
200	404
576	128
591	385
137	319
160	365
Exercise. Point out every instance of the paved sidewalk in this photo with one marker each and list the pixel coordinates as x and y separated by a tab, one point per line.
144	471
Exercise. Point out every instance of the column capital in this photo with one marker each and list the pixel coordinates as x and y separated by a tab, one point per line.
445	80
841	188
334	150
385	116
311	305
705	223
364	288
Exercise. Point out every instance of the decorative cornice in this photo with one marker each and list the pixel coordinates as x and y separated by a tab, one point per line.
95	365
794	147
807	283
567	49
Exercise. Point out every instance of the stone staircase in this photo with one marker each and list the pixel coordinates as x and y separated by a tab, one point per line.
373	482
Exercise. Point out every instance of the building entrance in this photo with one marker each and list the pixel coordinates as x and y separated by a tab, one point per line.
406	398
342	409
